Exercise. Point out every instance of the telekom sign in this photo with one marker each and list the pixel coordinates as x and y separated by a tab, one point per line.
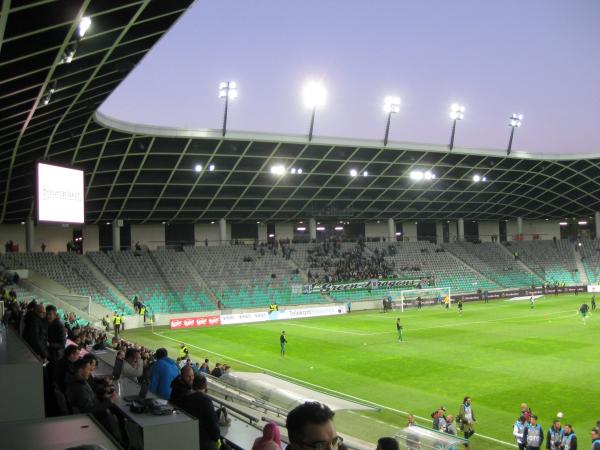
193	322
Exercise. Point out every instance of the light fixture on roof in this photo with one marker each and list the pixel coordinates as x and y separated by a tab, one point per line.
271	235
365	174
562	224
69	53
582	222
227	90
212	222
301	228
278	169
353	172
339	228
320	228
299	171
258	221
514	122
211	168
314	96
22	223
84	24
198	168
293	170
477	178
418	175
391	105
457	112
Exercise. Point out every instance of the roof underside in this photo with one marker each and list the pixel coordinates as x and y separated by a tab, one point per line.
138	177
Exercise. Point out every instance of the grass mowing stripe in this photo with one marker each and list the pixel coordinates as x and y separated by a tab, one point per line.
322	388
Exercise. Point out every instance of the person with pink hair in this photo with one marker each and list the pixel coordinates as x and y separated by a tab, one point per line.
270	440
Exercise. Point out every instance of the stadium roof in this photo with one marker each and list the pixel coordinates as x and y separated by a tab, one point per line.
146	174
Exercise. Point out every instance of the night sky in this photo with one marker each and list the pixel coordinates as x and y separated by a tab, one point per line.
540	58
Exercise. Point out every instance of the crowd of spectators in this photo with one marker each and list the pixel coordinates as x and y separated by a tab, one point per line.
350	265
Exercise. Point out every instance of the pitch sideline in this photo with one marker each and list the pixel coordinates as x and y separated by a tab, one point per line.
317	386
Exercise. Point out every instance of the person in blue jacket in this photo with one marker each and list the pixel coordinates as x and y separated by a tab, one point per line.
164	371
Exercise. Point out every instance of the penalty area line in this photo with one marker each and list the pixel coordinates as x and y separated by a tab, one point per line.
322	388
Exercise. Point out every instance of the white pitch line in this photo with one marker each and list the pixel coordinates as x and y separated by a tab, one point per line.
480	322
318	386
329	330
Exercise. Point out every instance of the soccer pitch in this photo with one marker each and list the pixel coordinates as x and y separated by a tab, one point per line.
501	354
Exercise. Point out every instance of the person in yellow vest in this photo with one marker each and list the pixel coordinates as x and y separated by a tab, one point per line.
143	312
184	353
447	302
117	323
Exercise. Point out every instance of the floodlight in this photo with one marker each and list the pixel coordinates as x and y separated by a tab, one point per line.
398	233
476	178
562	224
293	170
365	174
339	228
271	235
320	228
514	122
484	179
457	112
211	168
391	105
69	53
416	175
299	171
301	228
314	94
582	222
353	172
198	168
84	25
277	169
228	91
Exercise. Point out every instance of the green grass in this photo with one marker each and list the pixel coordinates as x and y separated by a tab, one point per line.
501	354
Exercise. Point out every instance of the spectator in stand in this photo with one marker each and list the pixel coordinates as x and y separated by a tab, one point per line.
270	440
204	367
83	399
63	370
35	332
387	443
533	436
182	385
450	426
133	366
164	371
200	405
217	371
311	425
57	336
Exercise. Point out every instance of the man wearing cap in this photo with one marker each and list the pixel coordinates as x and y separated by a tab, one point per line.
533	436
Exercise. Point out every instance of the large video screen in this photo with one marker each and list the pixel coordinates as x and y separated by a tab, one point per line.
60	195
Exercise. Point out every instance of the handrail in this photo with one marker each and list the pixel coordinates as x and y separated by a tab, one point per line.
234	409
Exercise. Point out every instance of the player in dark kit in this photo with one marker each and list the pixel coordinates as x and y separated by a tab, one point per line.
399	330
594	302
282	343
584	312
460	305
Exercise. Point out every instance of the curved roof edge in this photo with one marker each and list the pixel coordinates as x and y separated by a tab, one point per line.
207	133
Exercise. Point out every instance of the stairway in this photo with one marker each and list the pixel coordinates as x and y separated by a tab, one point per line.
459	260
520	263
104	280
581	268
198	278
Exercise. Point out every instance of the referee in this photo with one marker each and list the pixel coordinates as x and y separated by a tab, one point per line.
399	329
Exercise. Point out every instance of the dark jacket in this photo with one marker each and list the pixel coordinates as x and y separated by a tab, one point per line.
35	333
178	391
201	406
56	340
62	373
82	399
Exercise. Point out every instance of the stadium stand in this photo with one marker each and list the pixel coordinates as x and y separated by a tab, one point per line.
590	256
494	263
67	270
553	262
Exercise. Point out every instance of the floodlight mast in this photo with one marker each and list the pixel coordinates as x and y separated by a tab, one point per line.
457	112
515	122
314	97
227	90
391	105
